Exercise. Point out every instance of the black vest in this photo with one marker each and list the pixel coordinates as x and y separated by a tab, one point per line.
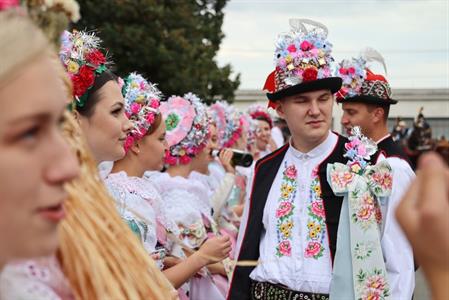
264	175
390	148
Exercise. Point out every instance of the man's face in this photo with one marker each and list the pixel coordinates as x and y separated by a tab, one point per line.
308	115
358	114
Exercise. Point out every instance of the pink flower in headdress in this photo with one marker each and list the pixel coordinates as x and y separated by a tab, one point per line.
135	108
5	4
185	159
314	52
154	103
306	46
129	142
291	48
351	70
169	159
343	71
150	117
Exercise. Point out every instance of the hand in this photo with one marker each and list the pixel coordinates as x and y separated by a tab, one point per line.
171	261
424	215
215	249
225	159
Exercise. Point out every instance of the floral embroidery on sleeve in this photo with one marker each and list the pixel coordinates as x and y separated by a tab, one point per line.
316	224
284	211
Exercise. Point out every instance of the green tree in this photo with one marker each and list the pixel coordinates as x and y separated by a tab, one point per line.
172	43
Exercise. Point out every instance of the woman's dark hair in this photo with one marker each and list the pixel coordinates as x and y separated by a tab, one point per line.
92	99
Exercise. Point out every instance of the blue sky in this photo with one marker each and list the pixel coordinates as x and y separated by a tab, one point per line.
412	35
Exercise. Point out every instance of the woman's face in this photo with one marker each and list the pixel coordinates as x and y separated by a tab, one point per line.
263	134
107	127
152	149
35	161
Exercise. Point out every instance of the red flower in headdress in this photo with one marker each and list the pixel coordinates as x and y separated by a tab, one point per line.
83	80
309	74
95	58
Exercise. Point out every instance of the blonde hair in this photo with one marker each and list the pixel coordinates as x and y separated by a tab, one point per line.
100	256
22	42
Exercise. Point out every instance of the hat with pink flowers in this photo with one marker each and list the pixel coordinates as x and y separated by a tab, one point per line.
303	62
142	101
360	84
187	127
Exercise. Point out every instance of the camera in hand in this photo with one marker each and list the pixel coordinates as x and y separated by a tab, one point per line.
239	158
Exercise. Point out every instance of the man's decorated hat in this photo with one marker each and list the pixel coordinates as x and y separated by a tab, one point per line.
142	101
81	56
303	62
187	127
360	84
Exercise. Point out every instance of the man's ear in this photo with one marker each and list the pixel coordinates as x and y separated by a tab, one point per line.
378	115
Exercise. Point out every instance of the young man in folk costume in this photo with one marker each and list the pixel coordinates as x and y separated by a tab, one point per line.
290	220
366	100
289	228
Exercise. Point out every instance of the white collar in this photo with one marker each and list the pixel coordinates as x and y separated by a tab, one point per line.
384	138
324	148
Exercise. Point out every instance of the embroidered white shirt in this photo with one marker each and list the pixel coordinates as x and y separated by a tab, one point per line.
301	270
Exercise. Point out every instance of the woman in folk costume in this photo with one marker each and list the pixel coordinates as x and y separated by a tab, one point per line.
135	197
184	200
263	143
93	237
35	160
224	193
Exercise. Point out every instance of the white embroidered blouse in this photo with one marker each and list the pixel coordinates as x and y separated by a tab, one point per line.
134	199
181	205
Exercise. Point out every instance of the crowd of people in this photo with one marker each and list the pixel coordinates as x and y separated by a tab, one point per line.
113	190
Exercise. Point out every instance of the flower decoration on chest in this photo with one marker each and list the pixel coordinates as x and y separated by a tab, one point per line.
142	101
81	55
187	126
359	150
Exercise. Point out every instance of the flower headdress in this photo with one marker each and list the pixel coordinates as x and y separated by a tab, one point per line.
83	60
360	84
229	123
142	101
187	127
256	111
302	61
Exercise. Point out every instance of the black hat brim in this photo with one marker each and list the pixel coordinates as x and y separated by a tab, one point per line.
367	100
331	83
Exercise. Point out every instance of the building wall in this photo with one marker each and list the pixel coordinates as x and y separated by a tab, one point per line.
434	101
